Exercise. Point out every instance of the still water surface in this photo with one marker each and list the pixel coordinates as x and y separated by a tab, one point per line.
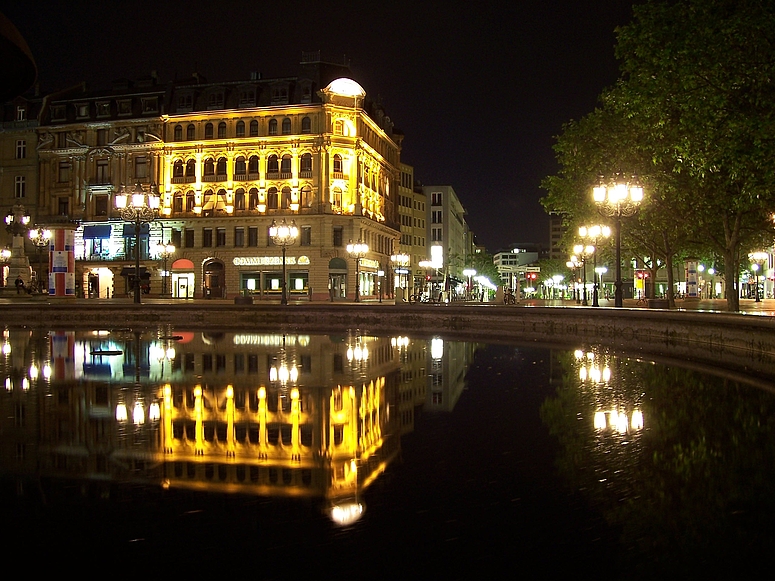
387	457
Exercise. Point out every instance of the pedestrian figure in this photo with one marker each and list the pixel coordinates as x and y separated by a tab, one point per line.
19	284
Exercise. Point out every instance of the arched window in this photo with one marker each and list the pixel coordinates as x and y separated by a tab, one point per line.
339	127
191	168
286	202
273	127
285	166
221	130
190	132
253	165
336	197
221	167
178	133
254	128
286	126
240	168
306	197
253	199
177	169
306	125
209	131
240	129
177	203
305	165
271	165
190	202
337	163
209	168
239	199
271	198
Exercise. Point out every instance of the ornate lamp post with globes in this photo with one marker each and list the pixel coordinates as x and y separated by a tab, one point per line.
583	252
595	233
138	207
357	250
758	259
619	198
165	251
284	235
41	237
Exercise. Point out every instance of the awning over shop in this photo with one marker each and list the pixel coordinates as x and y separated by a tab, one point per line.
130	271
97	231
129	230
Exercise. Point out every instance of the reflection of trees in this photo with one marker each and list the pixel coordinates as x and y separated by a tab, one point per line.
693	491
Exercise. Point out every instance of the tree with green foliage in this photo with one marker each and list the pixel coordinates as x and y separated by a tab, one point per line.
694	115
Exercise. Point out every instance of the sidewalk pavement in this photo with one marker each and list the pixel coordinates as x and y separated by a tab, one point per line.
765	307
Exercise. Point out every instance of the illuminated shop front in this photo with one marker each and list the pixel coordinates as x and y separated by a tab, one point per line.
262	275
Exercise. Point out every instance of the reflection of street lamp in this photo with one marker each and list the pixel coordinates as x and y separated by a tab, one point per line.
600	271
595	233
584	251
357	250
165	251
139	208
618	199
41	238
283	235
758	259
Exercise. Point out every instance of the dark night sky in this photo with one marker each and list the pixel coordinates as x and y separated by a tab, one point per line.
479	89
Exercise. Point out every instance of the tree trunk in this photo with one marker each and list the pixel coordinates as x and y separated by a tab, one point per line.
670	280
731	276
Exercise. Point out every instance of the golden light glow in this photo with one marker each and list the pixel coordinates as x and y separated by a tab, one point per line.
121	414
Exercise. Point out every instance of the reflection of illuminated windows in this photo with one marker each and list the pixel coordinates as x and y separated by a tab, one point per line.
239	363
207	362
252	363
436	379
339	438
189	359
338	405
220	362
436	395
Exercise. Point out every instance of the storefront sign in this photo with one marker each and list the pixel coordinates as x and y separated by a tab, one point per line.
270	260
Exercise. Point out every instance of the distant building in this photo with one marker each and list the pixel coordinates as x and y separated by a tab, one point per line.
447	228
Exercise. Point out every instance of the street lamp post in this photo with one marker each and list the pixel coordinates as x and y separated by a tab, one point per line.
620	198
284	235
137	207
595	233
583	252
758	259
40	238
574	264
357	250
165	251
400	264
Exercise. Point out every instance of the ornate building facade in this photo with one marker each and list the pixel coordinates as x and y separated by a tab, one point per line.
228	160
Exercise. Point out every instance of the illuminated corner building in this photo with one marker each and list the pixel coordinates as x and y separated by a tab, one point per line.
228	159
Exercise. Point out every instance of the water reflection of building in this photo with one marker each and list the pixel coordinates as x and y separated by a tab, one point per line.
266	414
